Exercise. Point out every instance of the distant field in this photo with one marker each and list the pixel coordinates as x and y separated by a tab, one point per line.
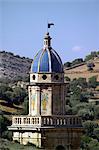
7	108
82	71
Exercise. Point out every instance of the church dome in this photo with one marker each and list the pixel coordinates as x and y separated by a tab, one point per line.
47	59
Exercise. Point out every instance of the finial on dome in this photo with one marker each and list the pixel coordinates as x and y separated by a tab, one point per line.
47	35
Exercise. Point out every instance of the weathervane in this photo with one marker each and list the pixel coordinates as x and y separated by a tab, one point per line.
49	25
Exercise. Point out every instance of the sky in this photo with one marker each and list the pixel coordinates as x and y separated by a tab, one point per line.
23	24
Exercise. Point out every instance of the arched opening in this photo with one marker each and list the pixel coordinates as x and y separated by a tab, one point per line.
34	77
60	147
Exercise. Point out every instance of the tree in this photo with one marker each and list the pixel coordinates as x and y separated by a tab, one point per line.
90	66
3	124
26	106
67	64
84	96
9	96
93	144
75	91
77	61
82	82
92	83
3	89
96	133
94	53
85	140
86	114
88	143
91	56
97	111
89	127
18	95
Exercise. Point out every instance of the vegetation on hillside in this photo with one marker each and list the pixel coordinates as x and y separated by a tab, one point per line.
92	55
74	62
11	98
79	61
14	95
79	93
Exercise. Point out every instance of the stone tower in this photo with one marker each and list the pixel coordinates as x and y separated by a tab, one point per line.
46	125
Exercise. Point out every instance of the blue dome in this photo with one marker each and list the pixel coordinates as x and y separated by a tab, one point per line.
47	60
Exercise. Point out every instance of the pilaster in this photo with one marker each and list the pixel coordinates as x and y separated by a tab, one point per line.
38	93
29	91
50	101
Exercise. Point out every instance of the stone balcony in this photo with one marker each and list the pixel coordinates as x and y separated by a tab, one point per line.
46	121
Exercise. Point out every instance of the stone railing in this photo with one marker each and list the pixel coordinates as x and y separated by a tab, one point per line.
26	120
60	121
46	121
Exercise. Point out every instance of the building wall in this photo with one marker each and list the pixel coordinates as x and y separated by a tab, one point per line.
69	138
49	139
58	99
28	137
51	77
46	100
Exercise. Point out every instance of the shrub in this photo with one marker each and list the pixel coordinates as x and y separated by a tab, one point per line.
89	127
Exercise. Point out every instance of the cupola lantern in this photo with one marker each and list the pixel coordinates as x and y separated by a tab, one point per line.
47	40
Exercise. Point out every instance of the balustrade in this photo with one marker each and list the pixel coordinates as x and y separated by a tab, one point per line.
60	121
47	120
25	120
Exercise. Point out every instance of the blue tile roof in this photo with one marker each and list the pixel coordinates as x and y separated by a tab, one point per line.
47	60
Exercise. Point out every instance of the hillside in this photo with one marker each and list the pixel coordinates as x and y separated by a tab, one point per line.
14	67
81	70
